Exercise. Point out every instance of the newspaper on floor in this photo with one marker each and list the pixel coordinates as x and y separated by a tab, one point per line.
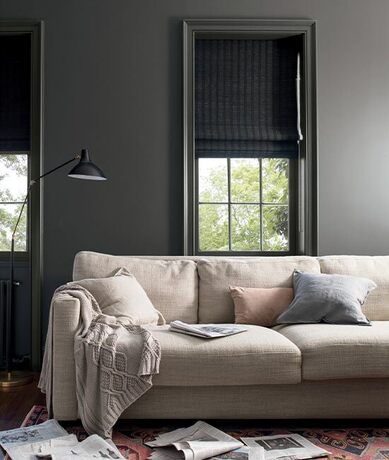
92	447
286	446
243	453
197	442
206	331
27	435
65	448
40	449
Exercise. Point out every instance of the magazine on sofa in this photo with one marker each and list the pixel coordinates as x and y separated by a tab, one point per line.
196	442
286	446
206	331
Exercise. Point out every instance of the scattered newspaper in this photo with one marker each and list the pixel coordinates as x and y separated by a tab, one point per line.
286	446
92	447
27	435
42	449
197	442
66	448
206	331
243	453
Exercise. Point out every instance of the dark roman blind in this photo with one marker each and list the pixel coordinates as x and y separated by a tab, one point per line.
15	92
246	101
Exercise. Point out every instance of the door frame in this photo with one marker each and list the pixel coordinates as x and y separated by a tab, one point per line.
35	259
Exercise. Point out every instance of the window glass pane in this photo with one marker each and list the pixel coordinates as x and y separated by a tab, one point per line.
245	180
245	227
8	216
13	177
213	182
213	227
275	180
275	228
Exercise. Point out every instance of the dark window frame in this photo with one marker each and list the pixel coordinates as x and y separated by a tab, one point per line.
34	255
304	176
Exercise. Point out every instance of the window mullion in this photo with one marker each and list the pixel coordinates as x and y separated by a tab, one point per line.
229	202
260	206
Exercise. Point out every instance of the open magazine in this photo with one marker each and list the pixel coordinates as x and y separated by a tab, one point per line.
197	442
286	446
206	331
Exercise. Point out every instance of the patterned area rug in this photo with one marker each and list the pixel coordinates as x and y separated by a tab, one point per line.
346	444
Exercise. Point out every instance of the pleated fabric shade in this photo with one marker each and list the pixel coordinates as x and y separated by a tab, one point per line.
15	93
246	98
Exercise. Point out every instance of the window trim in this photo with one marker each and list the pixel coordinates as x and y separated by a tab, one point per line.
306	175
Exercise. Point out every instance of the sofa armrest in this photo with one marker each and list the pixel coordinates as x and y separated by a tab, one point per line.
66	317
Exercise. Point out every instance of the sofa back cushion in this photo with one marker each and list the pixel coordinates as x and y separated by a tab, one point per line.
376	268
218	274
171	284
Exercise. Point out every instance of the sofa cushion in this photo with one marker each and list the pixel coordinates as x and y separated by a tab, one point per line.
172	285
257	356
260	306
324	298
376	268
123	297
216	275
333	351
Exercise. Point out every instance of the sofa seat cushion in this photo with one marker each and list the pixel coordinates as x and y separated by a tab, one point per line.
256	356
333	351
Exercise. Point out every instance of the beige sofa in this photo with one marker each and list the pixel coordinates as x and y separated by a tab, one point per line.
296	371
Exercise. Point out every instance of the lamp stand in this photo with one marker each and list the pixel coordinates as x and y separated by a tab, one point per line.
85	169
9	378
13	379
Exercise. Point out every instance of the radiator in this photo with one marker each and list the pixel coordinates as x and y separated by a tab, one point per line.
4	286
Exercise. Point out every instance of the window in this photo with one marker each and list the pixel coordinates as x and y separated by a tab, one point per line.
15	136
249	137
13	189
244	205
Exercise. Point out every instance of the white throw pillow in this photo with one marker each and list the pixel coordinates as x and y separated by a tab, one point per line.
122	296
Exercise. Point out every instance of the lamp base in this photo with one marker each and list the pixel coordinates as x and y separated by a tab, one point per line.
14	379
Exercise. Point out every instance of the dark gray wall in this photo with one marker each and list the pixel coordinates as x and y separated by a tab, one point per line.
113	83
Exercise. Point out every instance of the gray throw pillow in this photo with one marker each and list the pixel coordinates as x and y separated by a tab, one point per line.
335	299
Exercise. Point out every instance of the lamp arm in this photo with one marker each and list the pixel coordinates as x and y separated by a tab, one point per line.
76	157
32	183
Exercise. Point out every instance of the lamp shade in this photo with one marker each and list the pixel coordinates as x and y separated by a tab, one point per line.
85	169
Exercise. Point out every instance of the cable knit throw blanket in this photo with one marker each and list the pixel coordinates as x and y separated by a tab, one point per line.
115	363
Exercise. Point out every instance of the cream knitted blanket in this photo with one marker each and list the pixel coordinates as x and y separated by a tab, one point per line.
115	363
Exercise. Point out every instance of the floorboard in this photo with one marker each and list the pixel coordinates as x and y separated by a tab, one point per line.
16	403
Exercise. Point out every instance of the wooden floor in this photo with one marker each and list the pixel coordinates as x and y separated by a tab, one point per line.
15	404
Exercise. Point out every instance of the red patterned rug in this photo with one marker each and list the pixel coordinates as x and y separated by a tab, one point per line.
345	444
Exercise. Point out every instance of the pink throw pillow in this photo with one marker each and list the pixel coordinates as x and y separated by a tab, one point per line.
260	306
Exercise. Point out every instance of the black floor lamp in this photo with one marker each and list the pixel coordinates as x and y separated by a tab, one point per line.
84	169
